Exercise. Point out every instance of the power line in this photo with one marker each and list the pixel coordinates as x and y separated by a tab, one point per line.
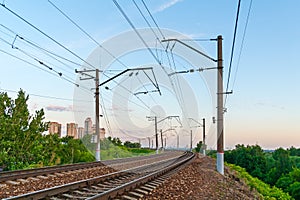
166	51
46	96
36	66
131	24
105	114
242	44
47	66
140	11
48	52
40	62
136	31
46	35
153	19
233	43
86	33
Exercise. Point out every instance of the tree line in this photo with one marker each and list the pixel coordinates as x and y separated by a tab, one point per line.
23	145
280	168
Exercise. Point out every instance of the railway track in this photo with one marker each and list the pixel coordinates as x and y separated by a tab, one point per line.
131	183
29	173
22	174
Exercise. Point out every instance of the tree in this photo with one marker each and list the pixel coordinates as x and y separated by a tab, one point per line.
20	132
283	162
294	190
117	141
294	152
252	158
199	146
22	143
129	144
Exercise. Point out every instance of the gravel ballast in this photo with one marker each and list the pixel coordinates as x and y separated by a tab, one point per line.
200	180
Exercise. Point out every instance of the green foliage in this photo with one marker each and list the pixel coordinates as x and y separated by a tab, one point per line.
129	144
294	152
295	174
264	189
295	161
290	183
112	148
199	146
22	143
211	153
282	165
294	190
139	151
20	132
284	182
276	168
252	158
116	141
113	151
283	161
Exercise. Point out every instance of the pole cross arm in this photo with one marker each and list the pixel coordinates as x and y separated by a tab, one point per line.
196	50
136	69
199	124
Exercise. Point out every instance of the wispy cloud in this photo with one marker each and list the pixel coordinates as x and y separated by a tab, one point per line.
269	105
117	108
59	108
167	5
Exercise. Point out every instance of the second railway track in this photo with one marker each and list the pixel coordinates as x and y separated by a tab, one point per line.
112	185
23	174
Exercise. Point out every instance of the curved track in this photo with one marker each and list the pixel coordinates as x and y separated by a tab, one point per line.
23	174
114	184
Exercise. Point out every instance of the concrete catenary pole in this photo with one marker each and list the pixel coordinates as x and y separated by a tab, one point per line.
162	140
156	134
220	126
191	147
177	141
97	116
149	142
204	142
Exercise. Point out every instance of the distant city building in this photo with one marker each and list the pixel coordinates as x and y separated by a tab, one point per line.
80	132
94	129
88	126
54	128
102	133
72	130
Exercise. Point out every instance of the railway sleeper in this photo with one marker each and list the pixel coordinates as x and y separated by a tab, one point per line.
128	197
72	196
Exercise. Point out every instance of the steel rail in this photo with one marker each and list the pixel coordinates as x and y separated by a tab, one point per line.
17	174
140	181
22	174
170	163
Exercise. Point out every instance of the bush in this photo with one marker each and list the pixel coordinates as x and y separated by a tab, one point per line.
264	189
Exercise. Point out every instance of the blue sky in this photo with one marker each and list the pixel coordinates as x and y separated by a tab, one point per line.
264	107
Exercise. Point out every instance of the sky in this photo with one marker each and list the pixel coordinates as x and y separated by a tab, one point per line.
263	109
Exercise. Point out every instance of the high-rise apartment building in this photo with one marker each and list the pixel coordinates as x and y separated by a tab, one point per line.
54	128
80	132
88	126
102	133
72	130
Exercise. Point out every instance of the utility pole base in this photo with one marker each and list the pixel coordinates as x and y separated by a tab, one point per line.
220	163
98	152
